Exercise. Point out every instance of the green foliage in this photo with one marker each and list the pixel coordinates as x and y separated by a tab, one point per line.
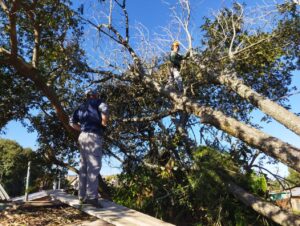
13	169
15	97
258	184
274	185
61	65
194	196
13	165
266	67
293	177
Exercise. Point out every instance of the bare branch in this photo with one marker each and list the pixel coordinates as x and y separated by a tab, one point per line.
230	55
117	37
4	7
288	95
123	6
35	55
154	117
110	13
186	6
250	46
182	21
257	152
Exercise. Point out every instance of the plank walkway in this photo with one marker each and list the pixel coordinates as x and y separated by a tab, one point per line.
112	213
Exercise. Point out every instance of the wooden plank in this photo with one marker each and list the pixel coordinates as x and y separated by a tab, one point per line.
3	194
55	203
33	196
112	213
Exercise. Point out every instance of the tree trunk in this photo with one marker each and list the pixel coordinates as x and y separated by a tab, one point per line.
264	208
271	146
269	107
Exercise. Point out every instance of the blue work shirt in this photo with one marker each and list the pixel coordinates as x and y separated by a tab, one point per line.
88	115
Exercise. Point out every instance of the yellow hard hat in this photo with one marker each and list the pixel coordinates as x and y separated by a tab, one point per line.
176	43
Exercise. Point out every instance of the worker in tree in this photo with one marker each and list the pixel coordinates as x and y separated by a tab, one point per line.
90	118
175	58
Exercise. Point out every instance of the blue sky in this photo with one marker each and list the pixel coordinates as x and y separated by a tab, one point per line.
154	14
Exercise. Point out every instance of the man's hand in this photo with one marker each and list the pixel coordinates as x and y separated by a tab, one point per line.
75	126
104	120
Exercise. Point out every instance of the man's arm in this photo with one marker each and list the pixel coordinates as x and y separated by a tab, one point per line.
74	121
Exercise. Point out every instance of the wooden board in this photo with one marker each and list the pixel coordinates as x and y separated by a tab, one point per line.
34	196
3	194
112	213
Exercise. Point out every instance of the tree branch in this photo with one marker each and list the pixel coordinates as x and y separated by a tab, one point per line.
4	7
266	209
117	38
36	32
150	118
269	107
35	55
29	72
272	146
13	30
123	6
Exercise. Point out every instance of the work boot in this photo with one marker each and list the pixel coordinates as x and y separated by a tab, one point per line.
94	202
82	201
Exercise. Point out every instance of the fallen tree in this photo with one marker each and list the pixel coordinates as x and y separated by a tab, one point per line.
58	72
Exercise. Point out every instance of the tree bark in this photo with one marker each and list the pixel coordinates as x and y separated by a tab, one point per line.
271	146
269	107
264	208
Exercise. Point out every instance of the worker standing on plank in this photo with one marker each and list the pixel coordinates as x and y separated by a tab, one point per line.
90	118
